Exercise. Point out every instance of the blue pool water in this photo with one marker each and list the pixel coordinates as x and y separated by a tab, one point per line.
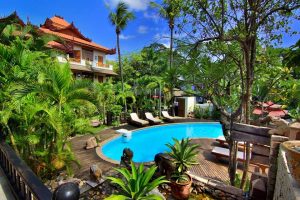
147	142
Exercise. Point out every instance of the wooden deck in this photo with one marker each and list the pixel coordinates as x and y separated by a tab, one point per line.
89	157
209	166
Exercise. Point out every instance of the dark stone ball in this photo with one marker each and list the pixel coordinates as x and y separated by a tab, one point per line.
67	191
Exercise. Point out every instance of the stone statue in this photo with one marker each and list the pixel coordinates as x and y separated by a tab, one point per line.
165	166
126	158
282	127
95	172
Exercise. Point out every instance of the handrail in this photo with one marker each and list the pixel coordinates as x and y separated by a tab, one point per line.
24	182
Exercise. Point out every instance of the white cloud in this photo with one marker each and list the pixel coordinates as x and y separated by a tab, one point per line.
136	5
143	29
163	38
154	16
126	37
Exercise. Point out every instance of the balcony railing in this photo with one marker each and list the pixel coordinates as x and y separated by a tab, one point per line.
24	182
102	65
77	60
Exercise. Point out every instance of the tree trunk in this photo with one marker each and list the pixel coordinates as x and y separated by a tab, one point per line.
246	165
249	54
12	140
232	161
171	26
160	100
171	45
120	67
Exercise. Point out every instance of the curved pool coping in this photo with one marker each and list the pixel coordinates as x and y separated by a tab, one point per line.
105	158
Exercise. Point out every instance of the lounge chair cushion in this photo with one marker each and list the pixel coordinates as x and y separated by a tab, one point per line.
137	120
224	152
166	115
150	117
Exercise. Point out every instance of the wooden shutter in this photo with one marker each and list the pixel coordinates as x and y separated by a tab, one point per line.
77	55
100	61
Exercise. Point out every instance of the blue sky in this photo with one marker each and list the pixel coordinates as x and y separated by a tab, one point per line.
91	18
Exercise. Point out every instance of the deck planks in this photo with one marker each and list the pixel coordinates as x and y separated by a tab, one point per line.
209	166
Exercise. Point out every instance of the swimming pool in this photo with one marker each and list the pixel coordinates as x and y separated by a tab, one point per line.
147	142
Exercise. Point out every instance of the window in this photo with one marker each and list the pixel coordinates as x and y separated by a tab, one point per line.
75	56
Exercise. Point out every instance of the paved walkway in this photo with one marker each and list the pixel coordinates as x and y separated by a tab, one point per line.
5	189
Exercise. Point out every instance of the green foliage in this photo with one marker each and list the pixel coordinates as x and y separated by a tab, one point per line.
41	105
201	113
136	184
295	114
215	114
185	155
120	17
237	182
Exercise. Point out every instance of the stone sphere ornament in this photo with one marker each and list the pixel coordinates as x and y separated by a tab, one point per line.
67	191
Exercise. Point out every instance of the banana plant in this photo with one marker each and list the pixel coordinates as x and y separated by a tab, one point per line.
137	184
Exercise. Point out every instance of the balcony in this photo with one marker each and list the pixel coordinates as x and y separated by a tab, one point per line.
103	65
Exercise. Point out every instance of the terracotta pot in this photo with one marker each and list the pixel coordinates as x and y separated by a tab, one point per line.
293	157
181	190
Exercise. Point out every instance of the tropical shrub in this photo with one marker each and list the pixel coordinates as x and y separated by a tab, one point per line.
136	184
41	105
184	154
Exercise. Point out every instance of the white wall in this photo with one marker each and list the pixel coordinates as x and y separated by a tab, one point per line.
190	103
95	58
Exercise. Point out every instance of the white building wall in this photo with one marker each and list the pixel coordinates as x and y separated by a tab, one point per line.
96	54
65	58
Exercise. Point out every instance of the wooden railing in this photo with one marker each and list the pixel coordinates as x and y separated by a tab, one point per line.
103	65
22	179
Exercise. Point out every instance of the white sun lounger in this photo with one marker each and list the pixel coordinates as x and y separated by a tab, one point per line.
224	152
169	118
137	121
222	141
152	119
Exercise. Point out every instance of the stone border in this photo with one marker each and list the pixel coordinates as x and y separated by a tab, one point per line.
286	186
217	189
99	151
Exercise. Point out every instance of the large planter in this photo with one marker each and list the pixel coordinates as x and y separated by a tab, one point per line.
181	191
292	149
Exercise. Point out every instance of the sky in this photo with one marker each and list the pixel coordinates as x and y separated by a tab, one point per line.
91	18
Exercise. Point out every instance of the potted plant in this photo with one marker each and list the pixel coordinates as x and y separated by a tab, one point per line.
292	149
184	155
137	184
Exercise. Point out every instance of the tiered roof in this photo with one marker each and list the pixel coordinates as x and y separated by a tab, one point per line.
68	32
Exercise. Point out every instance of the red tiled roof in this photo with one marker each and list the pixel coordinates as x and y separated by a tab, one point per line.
56	24
278	113
273	113
60	46
59	21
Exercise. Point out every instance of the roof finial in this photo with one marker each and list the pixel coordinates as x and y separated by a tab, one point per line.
59	16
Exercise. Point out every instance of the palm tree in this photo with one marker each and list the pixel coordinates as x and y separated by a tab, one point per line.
157	82
105	96
170	9
120	19
123	95
60	87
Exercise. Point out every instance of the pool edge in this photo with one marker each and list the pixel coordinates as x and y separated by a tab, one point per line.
105	158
